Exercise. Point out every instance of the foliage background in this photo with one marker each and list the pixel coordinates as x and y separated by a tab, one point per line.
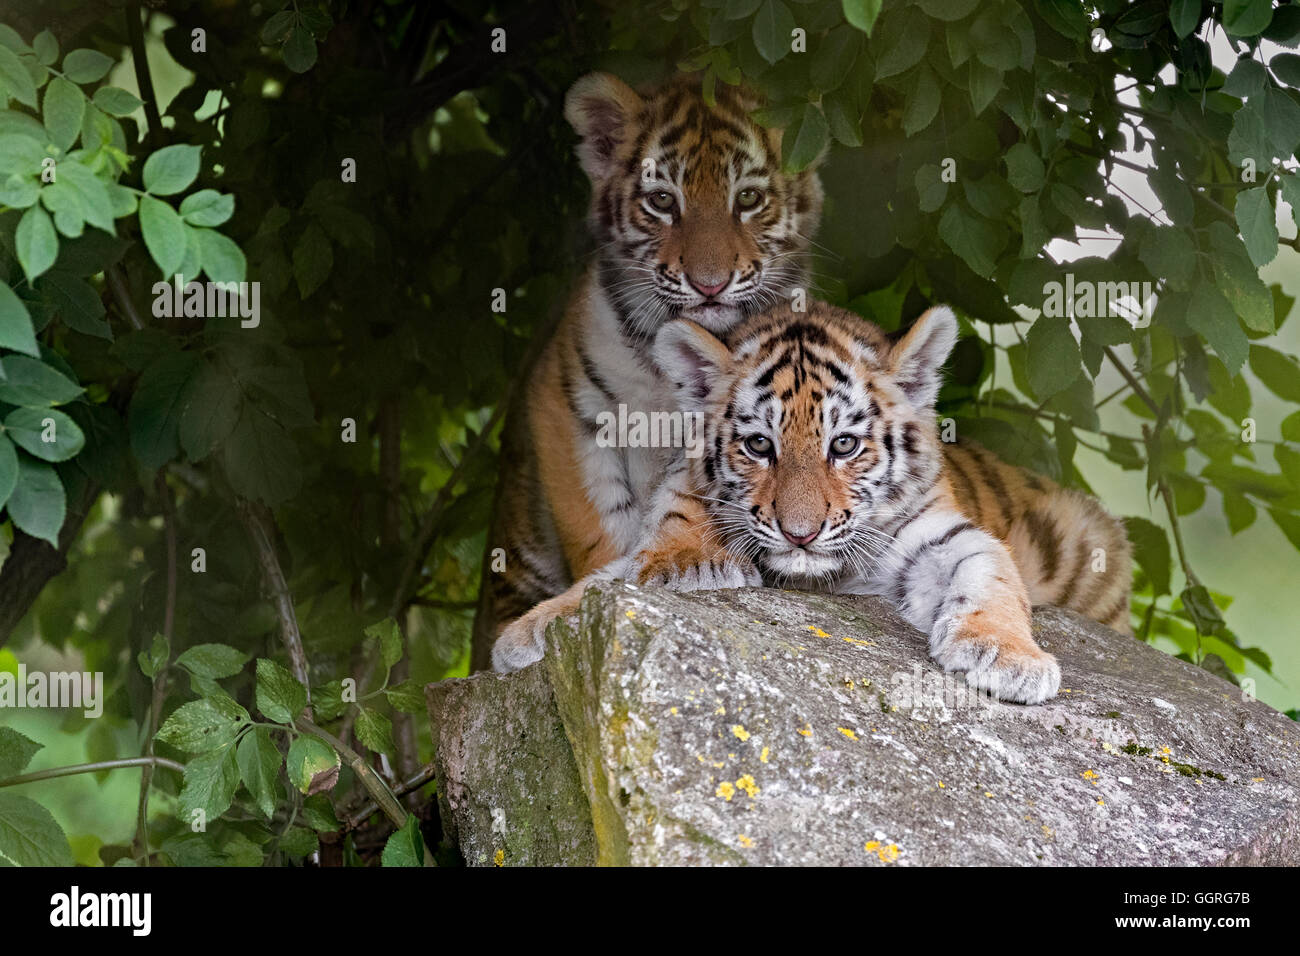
1117	157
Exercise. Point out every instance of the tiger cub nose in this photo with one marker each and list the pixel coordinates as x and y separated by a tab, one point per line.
705	289
796	539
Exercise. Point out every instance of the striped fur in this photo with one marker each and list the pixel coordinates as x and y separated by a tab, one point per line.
709	230
849	488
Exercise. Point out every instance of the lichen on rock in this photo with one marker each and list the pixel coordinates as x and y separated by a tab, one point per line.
761	726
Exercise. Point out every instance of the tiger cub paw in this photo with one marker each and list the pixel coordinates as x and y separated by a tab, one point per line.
693	570
1010	668
521	642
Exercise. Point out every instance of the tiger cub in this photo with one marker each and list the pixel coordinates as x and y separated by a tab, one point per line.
823	467
693	219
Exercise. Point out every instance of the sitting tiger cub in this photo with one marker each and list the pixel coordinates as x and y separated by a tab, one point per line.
823	467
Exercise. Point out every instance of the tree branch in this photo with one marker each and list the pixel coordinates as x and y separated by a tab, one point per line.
260	526
147	762
143	79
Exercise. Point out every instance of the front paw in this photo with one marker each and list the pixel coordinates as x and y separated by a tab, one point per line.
1010	668
693	571
521	642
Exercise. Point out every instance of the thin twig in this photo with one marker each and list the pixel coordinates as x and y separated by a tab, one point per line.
143	79
260	526
147	762
409	785
160	678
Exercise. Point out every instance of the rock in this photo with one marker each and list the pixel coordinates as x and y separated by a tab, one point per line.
762	726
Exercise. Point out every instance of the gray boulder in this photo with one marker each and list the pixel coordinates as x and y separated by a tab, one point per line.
762	726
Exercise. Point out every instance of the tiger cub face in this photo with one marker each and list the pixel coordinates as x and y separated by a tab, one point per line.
819	431
693	216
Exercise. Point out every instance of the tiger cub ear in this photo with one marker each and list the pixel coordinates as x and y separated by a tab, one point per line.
916	360
599	107
696	363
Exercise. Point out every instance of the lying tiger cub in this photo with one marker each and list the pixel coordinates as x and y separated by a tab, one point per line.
823	467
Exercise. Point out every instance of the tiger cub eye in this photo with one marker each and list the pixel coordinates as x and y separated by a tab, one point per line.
760	446
845	445
662	200
748	198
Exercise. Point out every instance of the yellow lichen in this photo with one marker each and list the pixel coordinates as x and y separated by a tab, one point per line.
988	793
740	732
805	730
858	641
762	757
816	630
631	614
745	841
725	790
499	858
673	711
747	784
721	712
887	852
940	784
847	733
1090	776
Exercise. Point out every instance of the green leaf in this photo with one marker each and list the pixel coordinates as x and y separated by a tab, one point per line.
277	27
300	50
16	752
408	697
47	433
862	13
171	169
157	406
199	726
86	66
389	637
15	78
299	842
116	101
375	731
1151	551
207	207
1278	372
1184	16
313	259
36	242
1052	356
1257	224
259	762
209	785
327	700
279	694
29	836
221	257
16	330
164	234
985	84
261	458
211	412
1210	314
8	470
216	661
406	846
975	239
804	143
923	104
63	109
1246	18
76	303
948	10
318	813
27	381
1025	170
313	766
37	504
771	32
834	58
46	47
151	661
1170	255
1200	607
930	187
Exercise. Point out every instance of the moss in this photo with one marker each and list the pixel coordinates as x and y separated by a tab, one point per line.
1112	715
1133	750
